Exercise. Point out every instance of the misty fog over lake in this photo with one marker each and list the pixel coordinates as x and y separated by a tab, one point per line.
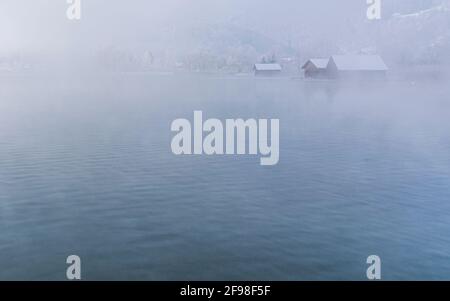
86	166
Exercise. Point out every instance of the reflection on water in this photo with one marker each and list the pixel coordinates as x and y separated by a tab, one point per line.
86	169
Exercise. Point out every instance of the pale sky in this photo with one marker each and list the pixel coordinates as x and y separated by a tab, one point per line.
42	24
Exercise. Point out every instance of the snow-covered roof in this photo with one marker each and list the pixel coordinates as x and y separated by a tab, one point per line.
268	67
318	63
359	62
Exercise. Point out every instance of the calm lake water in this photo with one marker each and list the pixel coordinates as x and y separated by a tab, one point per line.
86	168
